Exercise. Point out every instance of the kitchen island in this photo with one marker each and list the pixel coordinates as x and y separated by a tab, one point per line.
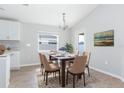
6	60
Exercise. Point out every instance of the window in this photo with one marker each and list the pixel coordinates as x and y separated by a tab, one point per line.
47	42
81	43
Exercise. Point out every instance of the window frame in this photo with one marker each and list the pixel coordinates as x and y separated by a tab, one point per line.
47	33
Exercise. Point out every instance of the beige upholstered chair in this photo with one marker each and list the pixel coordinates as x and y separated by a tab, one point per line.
69	63
88	53
77	69
42	67
49	68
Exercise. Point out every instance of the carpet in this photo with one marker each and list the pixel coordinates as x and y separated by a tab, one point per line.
96	80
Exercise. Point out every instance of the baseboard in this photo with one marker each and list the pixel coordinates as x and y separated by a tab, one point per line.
29	65
113	75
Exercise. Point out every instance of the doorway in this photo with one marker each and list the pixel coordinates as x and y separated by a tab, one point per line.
81	43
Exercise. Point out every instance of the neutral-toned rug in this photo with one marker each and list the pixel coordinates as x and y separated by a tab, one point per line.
96	80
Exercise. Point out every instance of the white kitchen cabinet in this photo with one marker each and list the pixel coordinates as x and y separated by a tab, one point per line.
4	30
14	31
9	30
4	71
15	60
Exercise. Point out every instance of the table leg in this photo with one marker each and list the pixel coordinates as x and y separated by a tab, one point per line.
50	58
63	73
80	76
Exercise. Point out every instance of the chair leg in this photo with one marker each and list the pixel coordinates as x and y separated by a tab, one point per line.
77	77
67	78
42	69
88	70
59	78
73	81
84	78
46	78
55	74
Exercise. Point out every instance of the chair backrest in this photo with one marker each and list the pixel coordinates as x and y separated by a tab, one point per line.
88	53
79	64
44	62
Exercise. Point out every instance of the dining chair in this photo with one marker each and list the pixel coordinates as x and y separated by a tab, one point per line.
69	63
49	68
88	60
77	69
42	67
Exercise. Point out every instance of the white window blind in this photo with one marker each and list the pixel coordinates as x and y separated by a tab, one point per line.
47	42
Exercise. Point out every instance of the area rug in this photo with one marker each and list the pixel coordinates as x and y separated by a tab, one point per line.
96	80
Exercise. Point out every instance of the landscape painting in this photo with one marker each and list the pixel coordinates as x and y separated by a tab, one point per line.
105	38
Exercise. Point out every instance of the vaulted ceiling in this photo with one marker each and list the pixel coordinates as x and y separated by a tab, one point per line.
46	14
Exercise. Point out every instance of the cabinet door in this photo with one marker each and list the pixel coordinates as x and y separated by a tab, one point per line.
14	61
14	31
2	72
4	30
9	30
7	70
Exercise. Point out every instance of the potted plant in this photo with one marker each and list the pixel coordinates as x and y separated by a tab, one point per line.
69	47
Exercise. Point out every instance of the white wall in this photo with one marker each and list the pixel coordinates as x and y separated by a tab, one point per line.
29	55
104	17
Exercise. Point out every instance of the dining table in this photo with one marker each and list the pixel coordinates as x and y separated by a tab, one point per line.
63	59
